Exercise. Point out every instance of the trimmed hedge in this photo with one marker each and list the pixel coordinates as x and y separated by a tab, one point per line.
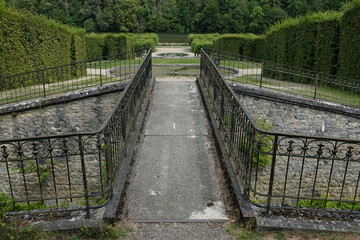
28	43
308	42
144	41
107	44
78	51
116	44
95	44
327	42
102	45
349	49
198	41
243	44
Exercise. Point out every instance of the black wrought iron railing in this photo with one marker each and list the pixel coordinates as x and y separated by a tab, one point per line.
76	171
288	79
46	82
276	170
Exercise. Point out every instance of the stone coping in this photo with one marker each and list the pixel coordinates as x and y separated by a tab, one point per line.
296	100
62	98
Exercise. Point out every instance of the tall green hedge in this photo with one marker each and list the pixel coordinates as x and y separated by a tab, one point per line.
116	43
310	42
307	42
198	41
349	49
95	44
144	41
243	44
327	43
28	43
107	44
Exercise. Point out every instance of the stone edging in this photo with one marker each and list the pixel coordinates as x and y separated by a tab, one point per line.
296	100
62	98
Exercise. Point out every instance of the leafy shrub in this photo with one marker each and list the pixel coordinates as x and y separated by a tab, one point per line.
328	204
6	205
264	144
15	228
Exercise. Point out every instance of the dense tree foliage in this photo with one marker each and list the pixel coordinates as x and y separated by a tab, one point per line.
222	16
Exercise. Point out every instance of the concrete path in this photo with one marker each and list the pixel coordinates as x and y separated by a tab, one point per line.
174	176
178	231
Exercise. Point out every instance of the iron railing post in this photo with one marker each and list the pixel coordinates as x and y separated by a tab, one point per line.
272	173
316	85
85	183
43	82
108	160
101	81
261	74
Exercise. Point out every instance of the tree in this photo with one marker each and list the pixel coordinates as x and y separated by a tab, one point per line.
257	20
185	12
174	15
209	19
126	12
273	15
297	8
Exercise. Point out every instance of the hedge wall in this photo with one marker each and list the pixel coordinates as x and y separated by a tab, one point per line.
310	42
243	44
144	41
95	44
30	42
327	44
107	44
198	41
349	49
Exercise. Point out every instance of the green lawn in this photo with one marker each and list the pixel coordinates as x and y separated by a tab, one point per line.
307	90
108	64
240	64
37	91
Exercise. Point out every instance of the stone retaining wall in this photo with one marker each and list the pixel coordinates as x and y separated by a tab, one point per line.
311	176
59	170
288	118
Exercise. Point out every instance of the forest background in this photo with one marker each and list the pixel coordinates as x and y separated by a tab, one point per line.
180	16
